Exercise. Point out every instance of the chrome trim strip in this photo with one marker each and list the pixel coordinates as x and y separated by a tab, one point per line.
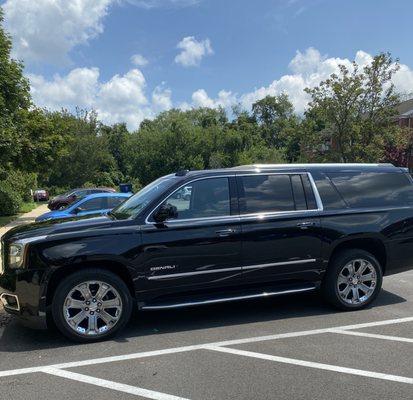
177	275
305	261
6	304
227	299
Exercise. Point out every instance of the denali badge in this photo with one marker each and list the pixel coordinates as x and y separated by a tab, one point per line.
163	267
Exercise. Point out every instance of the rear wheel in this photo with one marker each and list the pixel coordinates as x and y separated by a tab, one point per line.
353	280
91	305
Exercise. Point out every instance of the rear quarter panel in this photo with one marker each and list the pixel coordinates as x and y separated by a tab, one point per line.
392	226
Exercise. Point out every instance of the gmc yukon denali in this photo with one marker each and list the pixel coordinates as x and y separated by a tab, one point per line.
200	237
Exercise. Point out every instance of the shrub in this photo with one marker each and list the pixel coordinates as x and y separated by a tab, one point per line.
10	200
22	183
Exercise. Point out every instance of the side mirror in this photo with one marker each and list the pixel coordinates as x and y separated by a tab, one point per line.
165	212
77	210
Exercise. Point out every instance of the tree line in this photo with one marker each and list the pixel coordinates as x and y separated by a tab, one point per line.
350	118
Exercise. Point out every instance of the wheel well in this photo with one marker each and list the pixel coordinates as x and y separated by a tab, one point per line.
118	269
371	245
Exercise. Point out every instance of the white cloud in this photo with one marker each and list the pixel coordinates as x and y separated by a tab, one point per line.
139	60
192	51
308	69
120	99
162	3
225	99
46	30
161	99
125	97
77	88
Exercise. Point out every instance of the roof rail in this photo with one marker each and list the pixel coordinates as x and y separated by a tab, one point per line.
261	166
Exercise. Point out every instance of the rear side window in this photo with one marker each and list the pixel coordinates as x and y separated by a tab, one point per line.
266	193
329	195
373	189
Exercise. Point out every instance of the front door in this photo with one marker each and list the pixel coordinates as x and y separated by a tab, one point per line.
280	228
201	247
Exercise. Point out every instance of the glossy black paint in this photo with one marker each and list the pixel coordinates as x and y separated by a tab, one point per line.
209	254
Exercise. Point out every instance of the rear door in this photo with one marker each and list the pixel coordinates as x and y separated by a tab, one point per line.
199	249
280	227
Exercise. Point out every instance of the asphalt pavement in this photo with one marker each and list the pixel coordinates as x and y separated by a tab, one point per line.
291	347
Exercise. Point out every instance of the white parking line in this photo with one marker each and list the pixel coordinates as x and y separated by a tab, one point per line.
201	346
374	336
120	387
309	364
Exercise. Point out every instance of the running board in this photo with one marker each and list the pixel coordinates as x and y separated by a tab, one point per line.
224	299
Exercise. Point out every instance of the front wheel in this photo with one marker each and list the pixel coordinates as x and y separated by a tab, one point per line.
91	305
353	280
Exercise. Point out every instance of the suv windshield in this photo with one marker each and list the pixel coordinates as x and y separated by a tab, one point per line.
135	204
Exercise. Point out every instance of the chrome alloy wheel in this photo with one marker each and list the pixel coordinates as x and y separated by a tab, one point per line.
92	308
357	281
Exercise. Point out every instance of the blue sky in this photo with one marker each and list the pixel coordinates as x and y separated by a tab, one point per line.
197	52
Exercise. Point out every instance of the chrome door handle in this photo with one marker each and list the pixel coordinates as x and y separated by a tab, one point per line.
306	224
225	232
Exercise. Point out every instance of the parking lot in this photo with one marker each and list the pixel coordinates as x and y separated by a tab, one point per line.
292	347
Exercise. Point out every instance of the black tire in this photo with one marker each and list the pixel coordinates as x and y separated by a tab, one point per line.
329	287
86	275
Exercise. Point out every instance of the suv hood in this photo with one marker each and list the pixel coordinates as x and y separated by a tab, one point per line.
57	226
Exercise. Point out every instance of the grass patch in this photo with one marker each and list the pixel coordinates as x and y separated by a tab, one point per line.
24	208
6	219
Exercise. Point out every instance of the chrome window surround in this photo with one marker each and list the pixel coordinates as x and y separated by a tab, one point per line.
248	216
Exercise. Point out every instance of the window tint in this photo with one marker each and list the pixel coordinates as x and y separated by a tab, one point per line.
298	191
329	195
98	203
266	193
114	201
373	189
201	199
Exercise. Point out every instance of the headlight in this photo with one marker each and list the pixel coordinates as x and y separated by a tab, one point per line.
16	255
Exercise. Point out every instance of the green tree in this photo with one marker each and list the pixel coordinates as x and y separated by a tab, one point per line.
357	107
279	124
14	97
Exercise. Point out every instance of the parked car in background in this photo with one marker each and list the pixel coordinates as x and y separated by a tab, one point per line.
69	197
40	195
98	203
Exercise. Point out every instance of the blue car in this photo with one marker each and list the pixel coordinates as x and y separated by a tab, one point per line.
98	203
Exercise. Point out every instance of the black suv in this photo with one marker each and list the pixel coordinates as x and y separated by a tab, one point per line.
241	233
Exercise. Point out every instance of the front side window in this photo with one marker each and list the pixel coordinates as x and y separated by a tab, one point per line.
266	193
202	199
